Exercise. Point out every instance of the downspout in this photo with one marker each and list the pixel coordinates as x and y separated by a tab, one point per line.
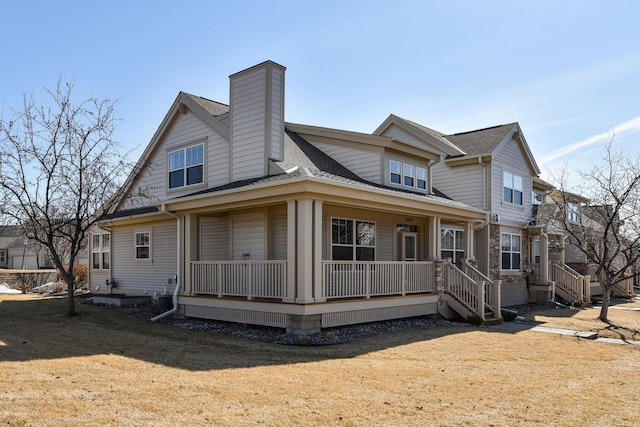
164	210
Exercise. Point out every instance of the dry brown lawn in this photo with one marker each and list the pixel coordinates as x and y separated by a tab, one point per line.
104	368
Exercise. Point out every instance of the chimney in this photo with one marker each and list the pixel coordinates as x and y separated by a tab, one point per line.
256	104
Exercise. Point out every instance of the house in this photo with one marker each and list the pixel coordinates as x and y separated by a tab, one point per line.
18	253
247	218
492	169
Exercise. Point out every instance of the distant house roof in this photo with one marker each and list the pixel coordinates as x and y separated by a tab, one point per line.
11	236
481	141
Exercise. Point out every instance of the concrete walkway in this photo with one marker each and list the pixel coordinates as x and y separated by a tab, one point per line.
517	327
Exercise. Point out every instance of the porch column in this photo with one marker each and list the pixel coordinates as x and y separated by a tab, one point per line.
468	241
304	262
544	258
318	286
290	287
434	237
191	238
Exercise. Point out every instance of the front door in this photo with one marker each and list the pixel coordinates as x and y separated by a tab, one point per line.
409	246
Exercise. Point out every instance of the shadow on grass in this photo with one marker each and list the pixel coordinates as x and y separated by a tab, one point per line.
33	328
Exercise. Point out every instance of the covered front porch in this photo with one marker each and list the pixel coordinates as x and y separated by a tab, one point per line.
325	258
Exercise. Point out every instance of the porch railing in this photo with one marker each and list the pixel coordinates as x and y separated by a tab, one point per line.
250	279
344	279
465	289
570	281
491	290
624	287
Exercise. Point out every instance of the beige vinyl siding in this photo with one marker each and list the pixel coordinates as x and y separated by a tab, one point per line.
98	279
250	102
277	114
187	130
214	239
279	236
364	163
466	184
151	276
248	236
511	159
384	240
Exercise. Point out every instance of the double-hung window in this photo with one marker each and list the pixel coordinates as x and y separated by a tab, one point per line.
100	251
407	175
186	166
353	240
572	213
510	250
452	244
143	245
512	188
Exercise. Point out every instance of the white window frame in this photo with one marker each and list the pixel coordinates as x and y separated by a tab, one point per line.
146	244
354	244
102	250
185	165
457	252
510	183
3	256
573	216
407	175
512	251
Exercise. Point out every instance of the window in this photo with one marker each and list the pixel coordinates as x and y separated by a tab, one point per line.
186	166
143	245
407	175
536	198
510	250
3	257
452	244
353	240
512	188
572	213
396	172
100	250
421	178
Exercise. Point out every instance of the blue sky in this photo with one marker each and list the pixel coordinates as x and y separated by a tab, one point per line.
567	71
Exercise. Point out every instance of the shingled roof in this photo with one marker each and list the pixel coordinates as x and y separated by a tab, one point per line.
481	141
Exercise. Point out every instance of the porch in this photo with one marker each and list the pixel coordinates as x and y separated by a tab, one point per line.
347	292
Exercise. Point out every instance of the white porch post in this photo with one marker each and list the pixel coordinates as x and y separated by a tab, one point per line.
318	286
434	237
290	290
192	240
469	250
304	262
544	258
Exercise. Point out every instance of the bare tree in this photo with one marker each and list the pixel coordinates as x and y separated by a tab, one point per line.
607	228
59	164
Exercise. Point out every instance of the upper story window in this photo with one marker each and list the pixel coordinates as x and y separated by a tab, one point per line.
536	198
353	240
407	175
512	185
100	251
186	166
572	213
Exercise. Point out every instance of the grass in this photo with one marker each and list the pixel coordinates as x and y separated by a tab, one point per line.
104	368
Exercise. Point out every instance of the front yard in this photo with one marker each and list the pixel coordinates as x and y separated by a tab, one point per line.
105	368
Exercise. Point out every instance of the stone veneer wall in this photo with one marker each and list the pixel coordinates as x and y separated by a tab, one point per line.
15	279
514	287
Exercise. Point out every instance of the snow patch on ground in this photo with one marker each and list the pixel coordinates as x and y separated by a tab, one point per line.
6	289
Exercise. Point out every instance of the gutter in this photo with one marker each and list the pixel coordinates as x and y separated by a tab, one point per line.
178	218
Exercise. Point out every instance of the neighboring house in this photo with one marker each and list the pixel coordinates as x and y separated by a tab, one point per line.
491	169
18	253
254	220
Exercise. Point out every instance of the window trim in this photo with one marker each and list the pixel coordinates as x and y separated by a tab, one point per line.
572	214
511	252
354	243
136	246
185	168
458	253
100	251
512	188
401	172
